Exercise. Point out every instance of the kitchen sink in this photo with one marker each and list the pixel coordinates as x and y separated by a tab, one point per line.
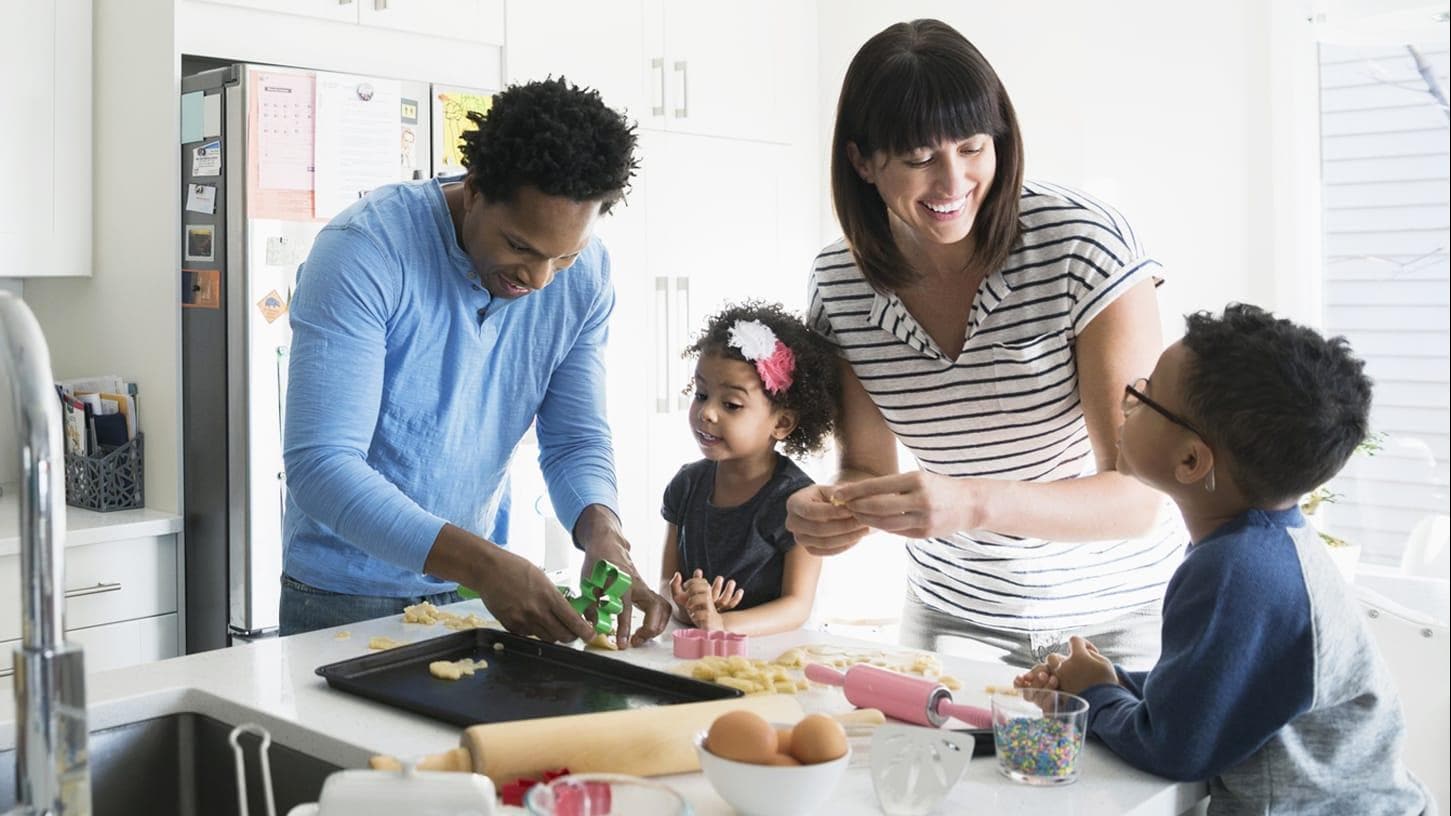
180	764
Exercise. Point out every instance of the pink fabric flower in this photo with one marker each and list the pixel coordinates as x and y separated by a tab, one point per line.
776	370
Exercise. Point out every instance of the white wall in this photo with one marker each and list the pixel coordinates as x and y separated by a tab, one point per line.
125	319
1161	109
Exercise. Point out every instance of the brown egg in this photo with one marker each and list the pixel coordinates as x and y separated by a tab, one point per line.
783	739
742	736
783	760
818	738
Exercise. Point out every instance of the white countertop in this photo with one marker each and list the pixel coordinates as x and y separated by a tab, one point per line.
86	526
276	676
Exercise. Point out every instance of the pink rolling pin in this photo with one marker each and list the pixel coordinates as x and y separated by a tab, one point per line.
899	696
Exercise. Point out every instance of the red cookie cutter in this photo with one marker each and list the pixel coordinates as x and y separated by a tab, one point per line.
697	643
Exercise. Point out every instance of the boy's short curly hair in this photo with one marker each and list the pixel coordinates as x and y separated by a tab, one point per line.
813	390
1288	405
552	135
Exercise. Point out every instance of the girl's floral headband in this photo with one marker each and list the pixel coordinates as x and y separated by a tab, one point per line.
773	359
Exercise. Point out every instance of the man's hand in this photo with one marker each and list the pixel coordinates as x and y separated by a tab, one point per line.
526	602
820	525
598	530
1083	668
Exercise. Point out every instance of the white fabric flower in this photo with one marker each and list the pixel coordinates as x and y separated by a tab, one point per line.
755	340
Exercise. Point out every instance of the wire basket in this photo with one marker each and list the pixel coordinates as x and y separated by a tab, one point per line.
113	480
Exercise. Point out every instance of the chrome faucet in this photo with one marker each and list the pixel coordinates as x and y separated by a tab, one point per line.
52	770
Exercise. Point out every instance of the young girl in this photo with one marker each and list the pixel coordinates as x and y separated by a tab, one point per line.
762	379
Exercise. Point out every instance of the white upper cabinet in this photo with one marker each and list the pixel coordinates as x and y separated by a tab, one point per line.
597	45
45	138
722	69
478	20
473	20
343	11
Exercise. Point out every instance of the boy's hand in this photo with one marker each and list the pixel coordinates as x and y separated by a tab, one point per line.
1083	668
1038	677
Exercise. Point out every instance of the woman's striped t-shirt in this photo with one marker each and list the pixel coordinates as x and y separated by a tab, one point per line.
1007	408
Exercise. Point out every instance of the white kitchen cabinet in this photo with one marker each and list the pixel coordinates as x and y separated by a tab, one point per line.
120	601
481	20
719	69
45	138
343	11
725	205
474	20
739	71
597	45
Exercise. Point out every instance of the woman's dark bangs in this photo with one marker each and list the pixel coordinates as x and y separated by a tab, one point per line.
921	105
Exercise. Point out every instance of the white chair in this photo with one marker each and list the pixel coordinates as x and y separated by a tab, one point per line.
1428	550
1417	648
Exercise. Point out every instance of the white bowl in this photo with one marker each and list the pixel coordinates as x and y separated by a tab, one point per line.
771	790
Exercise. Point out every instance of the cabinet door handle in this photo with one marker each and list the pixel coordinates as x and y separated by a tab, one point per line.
380	5
345	2
682	301
657	67
662	317
7	672
684	109
101	588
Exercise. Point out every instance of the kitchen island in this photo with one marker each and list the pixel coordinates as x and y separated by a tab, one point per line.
272	682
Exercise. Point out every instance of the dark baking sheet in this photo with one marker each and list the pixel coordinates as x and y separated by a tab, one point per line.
525	680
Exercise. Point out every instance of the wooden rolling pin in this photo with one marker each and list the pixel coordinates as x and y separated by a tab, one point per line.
641	741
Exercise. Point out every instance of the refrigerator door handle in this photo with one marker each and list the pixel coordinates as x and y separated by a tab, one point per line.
101	588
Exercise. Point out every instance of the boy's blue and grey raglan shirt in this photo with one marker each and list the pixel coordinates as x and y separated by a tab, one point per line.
1268	685
410	387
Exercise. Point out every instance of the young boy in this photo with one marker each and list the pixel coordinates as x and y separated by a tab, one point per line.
1268	684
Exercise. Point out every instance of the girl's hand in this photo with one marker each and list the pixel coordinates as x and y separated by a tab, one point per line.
915	505
820	525
726	594
677	591
700	603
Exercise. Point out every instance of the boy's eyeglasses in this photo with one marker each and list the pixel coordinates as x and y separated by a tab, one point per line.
1134	395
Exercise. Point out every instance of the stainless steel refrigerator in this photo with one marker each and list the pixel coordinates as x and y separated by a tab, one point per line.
268	156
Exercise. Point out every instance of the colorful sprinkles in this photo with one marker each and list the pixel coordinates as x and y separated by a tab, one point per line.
1044	747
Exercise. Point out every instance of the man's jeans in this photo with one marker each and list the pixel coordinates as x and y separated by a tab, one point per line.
304	608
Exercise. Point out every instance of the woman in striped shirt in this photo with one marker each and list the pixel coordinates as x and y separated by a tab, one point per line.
987	324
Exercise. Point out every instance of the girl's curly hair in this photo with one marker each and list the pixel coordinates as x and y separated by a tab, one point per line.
812	394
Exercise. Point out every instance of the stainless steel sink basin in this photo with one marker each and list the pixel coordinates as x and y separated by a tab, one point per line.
180	764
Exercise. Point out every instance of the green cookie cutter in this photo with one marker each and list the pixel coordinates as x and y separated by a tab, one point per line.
604	589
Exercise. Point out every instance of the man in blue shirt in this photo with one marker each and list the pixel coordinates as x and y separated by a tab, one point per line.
432	325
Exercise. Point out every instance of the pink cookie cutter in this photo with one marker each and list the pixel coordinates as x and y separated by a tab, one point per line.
696	643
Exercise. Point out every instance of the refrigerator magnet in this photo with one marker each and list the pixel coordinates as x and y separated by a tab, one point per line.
272	306
199	243
201	288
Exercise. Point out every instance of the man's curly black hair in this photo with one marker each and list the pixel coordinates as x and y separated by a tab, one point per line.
1288	405
813	390
552	135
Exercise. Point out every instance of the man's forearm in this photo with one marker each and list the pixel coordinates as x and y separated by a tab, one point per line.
460	556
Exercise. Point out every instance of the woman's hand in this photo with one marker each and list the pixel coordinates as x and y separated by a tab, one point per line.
819	525
917	504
